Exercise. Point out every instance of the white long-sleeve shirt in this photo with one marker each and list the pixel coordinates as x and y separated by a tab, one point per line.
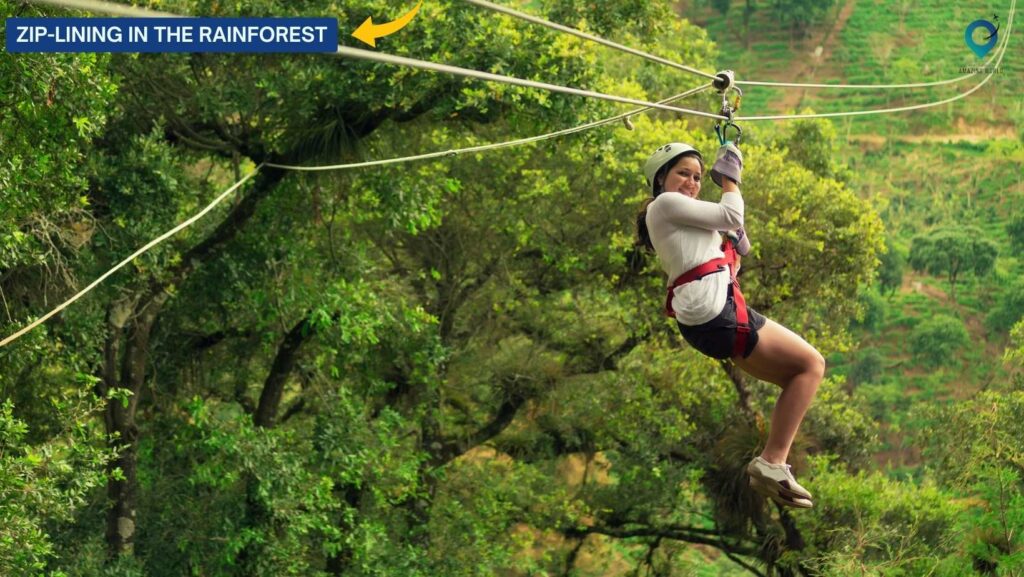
684	232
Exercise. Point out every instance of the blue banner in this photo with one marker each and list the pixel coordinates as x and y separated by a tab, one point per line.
171	35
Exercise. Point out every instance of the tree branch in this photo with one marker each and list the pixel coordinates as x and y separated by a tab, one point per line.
508	409
198	342
450	449
284	361
736	376
686	534
570	560
742	563
293	410
652	547
610	360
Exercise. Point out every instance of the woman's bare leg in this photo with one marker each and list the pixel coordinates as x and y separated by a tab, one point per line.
783	358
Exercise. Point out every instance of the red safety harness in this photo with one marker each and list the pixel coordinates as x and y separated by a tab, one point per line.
710	267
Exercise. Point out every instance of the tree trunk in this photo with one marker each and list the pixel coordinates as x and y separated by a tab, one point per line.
130	324
257	515
120	416
794	540
121	492
284	363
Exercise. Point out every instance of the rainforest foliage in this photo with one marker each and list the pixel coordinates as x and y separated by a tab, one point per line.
460	367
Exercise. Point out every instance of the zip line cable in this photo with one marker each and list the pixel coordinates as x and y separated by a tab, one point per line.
866	86
999	60
985	65
99	5
484	147
414	63
105	7
591	37
133	256
470	73
402	61
233	187
121	10
483	3
660	60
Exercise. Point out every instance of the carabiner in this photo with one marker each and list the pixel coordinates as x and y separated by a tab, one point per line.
724	82
722	129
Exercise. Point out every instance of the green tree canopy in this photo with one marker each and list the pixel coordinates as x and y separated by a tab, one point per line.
891	264
935	340
952	250
1008	309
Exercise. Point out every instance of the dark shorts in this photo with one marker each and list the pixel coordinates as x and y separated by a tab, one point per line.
717	337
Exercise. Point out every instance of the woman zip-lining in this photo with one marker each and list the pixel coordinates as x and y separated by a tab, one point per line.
706	302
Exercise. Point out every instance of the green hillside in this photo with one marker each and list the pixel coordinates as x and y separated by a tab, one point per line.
868	42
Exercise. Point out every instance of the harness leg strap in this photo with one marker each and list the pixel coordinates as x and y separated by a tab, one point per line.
714	266
742	322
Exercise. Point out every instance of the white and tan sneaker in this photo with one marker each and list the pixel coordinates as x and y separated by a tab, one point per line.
777	482
765	491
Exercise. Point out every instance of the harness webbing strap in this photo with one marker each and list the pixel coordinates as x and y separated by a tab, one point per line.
713	266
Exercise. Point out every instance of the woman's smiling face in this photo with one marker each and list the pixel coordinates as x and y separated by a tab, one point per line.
684	177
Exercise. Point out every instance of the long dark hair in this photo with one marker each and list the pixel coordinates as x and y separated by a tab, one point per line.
643	237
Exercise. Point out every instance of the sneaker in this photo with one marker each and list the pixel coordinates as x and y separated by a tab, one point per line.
777	479
764	490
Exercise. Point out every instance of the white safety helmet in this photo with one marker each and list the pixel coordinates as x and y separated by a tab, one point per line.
662	156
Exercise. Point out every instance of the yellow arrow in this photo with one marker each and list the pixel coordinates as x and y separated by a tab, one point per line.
369	32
